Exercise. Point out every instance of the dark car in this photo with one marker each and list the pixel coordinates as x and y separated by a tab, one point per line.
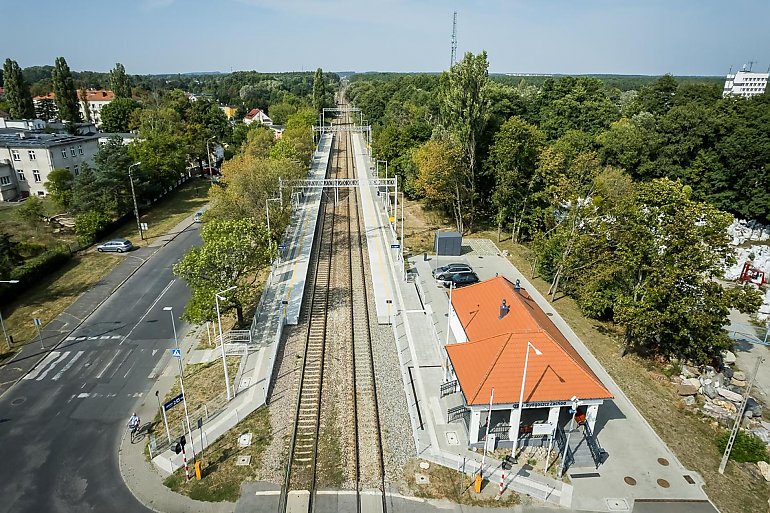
446	272
461	279
117	245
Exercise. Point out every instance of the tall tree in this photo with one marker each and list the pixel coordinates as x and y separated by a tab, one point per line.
116	115
64	89
319	90
119	82
464	113
17	92
86	105
59	185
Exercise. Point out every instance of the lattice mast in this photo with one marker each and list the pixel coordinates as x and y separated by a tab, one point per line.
454	41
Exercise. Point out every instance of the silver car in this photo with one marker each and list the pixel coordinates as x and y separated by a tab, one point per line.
117	245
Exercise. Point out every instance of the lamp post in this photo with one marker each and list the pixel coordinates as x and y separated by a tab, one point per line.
267	213
208	155
566	444
449	314
170	310
5	333
521	395
217	297
133	195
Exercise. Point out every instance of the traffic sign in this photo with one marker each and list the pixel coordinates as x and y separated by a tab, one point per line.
281	246
37	322
173	402
395	246
176	352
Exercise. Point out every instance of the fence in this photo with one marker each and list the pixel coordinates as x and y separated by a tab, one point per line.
177	425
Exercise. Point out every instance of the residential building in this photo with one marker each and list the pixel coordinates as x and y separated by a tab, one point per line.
97	100
495	322
259	116
32	156
745	83
21	124
229	111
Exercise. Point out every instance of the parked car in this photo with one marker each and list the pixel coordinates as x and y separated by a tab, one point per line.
210	171
443	273
117	245
198	216
461	279
447	267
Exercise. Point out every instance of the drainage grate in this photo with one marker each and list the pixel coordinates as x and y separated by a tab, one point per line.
663	483
421	479
451	438
689	479
617	505
244	440
242	461
586	474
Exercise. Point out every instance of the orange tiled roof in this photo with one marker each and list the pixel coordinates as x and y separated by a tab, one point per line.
495	356
253	113
93	95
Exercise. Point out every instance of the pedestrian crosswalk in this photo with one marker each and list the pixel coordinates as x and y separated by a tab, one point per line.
98	337
88	365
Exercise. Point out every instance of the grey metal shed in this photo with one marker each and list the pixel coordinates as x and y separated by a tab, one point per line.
448	243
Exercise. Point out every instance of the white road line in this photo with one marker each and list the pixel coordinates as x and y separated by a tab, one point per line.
69	364
129	369
48	359
98	376
70	338
117	367
93	338
148	310
80	338
267	492
115	337
105	337
53	364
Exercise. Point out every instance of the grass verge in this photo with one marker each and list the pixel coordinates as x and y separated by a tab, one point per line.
222	478
449	484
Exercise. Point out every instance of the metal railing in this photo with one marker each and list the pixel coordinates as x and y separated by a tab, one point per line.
597	453
561	441
456	413
450	387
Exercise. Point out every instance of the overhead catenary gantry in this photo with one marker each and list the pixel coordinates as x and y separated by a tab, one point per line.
339	183
356	129
340	110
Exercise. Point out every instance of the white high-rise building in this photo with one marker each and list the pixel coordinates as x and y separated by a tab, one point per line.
745	83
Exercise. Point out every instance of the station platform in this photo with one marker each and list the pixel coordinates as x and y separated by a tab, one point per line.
279	305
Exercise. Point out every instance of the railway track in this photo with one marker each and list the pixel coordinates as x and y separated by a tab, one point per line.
346	256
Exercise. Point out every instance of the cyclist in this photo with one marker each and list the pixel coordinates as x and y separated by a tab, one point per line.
133	423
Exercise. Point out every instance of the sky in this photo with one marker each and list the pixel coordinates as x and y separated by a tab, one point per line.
651	37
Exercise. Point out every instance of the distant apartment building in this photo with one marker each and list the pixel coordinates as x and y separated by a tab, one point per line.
745	83
97	99
26	159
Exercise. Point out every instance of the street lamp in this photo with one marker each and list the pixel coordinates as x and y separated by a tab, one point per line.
521	394
133	195
267	213
170	310
217	297
5	333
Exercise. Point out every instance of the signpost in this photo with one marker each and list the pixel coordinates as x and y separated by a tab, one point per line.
173	402
395	246
37	327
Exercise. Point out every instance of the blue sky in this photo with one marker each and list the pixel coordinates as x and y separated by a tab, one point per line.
698	37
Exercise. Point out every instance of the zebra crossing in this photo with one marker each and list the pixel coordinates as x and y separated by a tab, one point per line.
97	337
92	365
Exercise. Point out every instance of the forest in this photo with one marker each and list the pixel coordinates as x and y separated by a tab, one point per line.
622	196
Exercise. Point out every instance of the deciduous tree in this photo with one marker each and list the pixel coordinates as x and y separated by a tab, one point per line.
64	89
119	82
17	92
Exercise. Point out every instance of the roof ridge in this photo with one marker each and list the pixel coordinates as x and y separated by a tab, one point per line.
491	367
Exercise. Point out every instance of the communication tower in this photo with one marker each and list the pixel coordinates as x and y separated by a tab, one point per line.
454	41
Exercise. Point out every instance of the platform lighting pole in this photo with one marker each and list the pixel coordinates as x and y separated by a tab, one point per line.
5	333
402	232
133	195
267	211
521	395
217	297
170	310
449	312
486	435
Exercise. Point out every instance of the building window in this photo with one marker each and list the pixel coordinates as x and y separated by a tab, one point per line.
72	150
76	170
5	180
36	174
15	155
40	193
64	152
80	149
22	178
31	154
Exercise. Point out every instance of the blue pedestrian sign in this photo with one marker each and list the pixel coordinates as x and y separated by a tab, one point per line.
176	352
395	246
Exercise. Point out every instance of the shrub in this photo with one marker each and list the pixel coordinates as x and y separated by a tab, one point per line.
747	447
89	225
36	267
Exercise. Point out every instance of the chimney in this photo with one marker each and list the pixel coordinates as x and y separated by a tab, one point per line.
503	309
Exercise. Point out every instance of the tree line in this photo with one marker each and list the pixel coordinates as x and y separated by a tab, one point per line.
623	197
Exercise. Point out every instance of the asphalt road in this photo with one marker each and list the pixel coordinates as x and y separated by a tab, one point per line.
61	425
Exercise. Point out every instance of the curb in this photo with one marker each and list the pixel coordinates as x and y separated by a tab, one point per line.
85	318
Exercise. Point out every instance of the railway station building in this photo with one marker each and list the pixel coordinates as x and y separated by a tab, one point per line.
494	323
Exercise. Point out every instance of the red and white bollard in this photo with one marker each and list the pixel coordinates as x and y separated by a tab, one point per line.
186	471
502	485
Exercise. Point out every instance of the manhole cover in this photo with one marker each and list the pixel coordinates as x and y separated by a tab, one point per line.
451	438
663	483
630	480
244	440
663	461
617	504
245	382
18	401
242	461
421	479
424	465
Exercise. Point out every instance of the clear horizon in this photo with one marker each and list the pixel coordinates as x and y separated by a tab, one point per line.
611	37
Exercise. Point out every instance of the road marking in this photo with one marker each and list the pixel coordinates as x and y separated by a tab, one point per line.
83	395
69	338
69	364
53	364
105	337
80	338
48	359
154	351
98	376
267	492
129	369
148	310
115	337
93	338
121	363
